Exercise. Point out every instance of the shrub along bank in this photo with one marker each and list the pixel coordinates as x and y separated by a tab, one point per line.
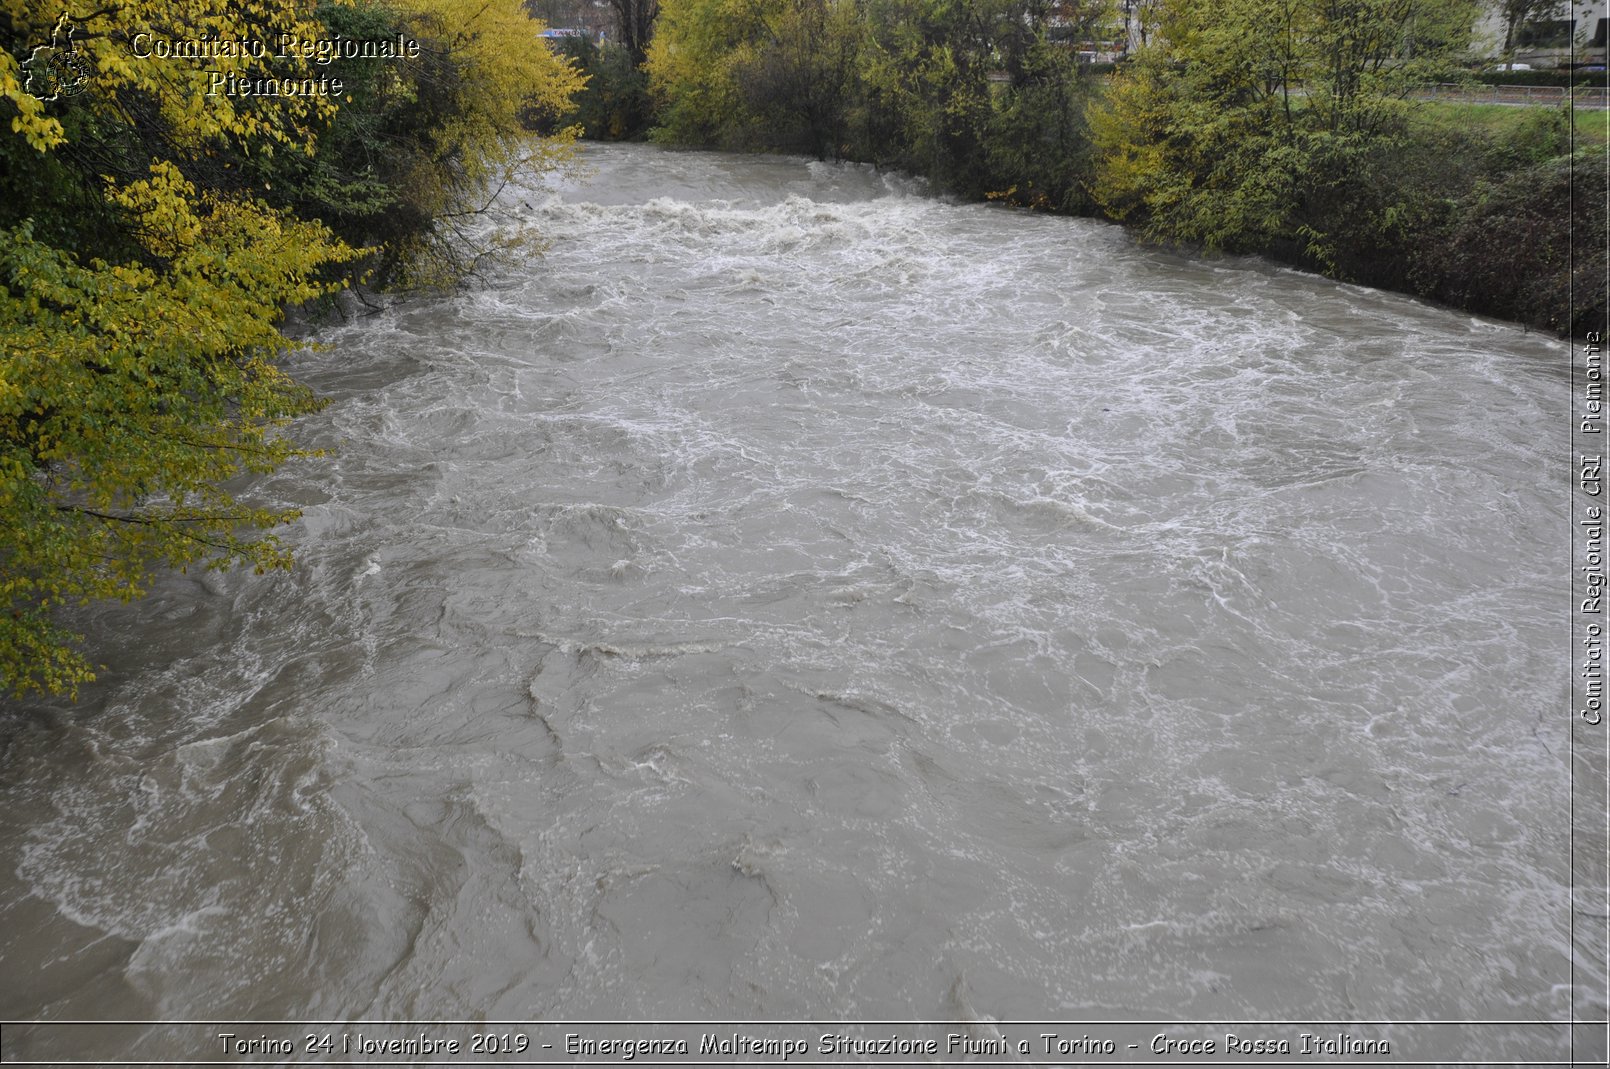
177	173
1280	127
614	103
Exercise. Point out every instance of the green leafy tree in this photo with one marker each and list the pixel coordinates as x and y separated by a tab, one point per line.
1252	123
796	81
927	74
614	104
985	98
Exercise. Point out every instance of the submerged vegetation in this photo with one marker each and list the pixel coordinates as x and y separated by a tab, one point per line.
178	173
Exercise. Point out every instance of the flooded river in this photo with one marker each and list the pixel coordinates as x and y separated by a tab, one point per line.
794	596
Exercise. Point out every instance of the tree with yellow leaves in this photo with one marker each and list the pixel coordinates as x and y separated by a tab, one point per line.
162	191
438	134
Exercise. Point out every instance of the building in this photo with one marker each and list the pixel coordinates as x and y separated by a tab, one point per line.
595	18
1571	31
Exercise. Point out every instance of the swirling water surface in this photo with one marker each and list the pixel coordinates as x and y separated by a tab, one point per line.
792	595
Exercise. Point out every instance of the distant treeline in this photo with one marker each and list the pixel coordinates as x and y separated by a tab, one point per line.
1281	127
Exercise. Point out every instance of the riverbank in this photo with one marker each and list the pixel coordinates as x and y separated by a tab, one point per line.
1489	209
153	230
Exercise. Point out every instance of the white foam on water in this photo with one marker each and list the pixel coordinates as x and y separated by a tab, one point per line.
793	595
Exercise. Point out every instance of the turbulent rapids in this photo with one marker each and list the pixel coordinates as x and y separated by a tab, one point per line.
793	596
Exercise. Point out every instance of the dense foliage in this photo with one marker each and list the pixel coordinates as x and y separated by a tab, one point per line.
1528	246
1257	120
614	104
985	97
1290	127
157	220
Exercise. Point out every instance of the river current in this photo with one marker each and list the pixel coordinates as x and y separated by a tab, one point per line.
792	595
